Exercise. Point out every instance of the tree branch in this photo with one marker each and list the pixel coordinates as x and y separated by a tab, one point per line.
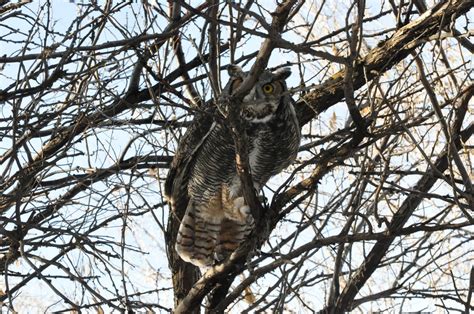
380	59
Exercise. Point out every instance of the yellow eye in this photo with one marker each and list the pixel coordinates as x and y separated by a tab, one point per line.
267	88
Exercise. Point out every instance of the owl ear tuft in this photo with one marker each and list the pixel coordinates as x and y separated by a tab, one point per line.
235	71
282	74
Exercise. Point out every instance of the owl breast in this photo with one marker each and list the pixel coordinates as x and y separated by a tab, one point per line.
274	144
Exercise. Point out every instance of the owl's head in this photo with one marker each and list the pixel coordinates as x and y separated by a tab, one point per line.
261	104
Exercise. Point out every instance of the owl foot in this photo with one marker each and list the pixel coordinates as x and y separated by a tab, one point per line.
241	212
247	213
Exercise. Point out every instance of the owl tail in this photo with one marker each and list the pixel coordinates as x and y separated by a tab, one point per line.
197	236
232	234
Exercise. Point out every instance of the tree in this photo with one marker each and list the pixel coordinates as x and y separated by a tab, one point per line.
375	214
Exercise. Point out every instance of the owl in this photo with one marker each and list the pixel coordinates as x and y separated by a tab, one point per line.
203	182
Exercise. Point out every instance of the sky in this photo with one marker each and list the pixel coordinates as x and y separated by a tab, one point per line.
146	272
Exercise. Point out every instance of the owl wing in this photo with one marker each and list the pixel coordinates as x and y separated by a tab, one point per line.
178	175
189	233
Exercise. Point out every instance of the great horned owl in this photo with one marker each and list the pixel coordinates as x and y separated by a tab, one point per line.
203	178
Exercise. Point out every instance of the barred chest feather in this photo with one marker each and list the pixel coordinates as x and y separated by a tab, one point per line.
273	145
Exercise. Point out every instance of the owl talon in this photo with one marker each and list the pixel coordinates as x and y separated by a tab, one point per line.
247	214
240	211
245	210
219	257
